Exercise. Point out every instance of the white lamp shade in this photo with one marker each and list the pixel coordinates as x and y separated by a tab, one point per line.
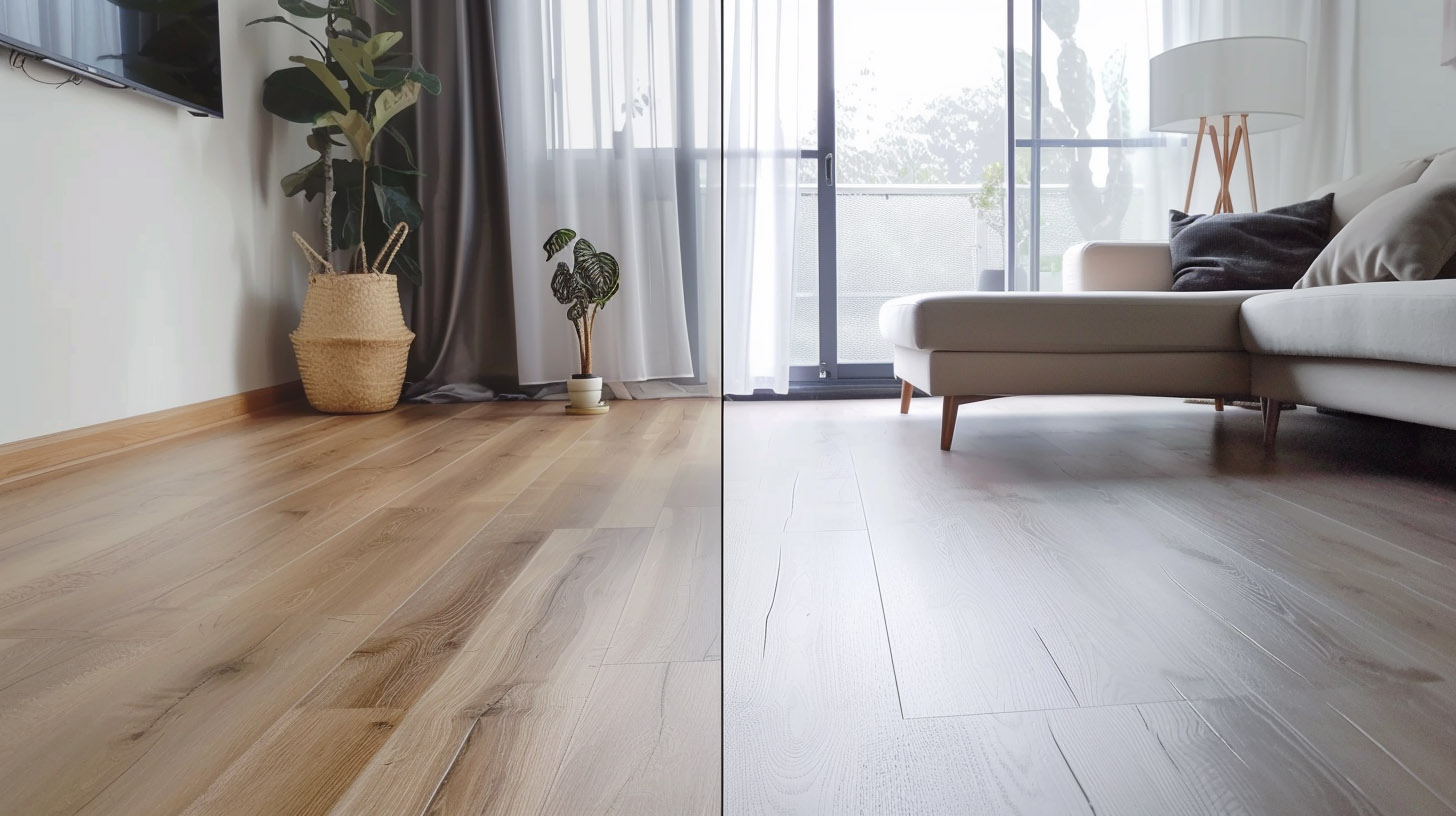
1262	77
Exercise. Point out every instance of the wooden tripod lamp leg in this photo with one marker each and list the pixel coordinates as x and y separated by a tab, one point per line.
906	391
1249	163
1193	171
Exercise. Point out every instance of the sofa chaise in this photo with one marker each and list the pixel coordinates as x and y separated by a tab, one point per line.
1383	348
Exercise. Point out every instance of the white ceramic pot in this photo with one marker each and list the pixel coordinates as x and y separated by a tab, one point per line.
584	392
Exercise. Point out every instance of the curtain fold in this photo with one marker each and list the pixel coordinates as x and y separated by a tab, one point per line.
463	314
1289	163
601	136
760	192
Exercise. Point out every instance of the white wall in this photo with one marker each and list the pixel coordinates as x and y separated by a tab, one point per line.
1407	101
145	259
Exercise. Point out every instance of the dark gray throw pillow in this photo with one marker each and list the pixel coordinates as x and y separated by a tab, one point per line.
1266	250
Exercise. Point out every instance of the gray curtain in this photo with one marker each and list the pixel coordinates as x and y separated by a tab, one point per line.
463	315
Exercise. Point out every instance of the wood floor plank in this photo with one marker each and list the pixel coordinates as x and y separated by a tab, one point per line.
1384	589
211	690
1234	633
489	734
1007	598
240	620
639	746
153	587
674	612
1392	741
255	487
609	479
334	725
811	648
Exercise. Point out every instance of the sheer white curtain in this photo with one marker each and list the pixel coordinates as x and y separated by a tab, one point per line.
594	95
760	192
1289	163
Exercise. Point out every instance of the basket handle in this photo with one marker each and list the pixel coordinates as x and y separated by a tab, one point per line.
316	261
392	247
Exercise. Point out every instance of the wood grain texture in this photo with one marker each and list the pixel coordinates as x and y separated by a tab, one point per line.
246	619
639	749
674	612
1109	605
31	456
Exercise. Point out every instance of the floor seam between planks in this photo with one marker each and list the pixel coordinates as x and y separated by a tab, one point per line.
387	617
879	588
597	672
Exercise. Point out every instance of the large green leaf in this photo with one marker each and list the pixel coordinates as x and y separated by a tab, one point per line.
394	78
404	144
354	128
346	219
355	61
303	8
391	103
396	206
558	241
600	274
326	78
309	181
296	95
360	25
563	284
386	5
406	265
380	43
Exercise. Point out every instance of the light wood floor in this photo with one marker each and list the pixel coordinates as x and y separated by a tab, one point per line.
443	609
1108	605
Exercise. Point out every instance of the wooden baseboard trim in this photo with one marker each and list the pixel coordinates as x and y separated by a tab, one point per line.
30	457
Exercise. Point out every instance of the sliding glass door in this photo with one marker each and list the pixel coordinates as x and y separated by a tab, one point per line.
903	164
897	190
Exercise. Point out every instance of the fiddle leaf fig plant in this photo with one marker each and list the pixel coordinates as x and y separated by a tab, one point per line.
584	287
351	90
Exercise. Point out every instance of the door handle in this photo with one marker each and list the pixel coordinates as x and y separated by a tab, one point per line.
829	169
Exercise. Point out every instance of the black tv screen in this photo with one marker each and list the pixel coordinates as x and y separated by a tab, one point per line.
167	48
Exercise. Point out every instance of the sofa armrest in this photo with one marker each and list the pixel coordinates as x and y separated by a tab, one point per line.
1117	266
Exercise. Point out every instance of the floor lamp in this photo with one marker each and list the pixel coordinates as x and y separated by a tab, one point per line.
1258	81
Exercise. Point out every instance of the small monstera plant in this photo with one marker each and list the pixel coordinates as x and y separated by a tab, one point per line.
352	88
584	287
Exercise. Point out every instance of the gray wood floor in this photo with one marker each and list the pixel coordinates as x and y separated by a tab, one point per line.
1108	605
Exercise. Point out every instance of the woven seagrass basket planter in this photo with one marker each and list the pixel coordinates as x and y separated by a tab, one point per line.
352	343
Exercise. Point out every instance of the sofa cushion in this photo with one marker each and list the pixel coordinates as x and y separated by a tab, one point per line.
1074	322
1263	250
1354	194
1407	234
1441	170
1398	321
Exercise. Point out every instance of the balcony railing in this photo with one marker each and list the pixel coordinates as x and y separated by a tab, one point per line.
902	239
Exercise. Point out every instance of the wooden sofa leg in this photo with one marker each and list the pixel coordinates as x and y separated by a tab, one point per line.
906	391
1218	403
950	406
1271	409
948	410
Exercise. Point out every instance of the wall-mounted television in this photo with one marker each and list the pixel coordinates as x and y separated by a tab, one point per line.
166	48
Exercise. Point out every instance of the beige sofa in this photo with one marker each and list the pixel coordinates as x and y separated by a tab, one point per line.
1386	349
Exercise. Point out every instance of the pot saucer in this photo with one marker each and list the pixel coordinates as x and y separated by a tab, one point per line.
599	408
